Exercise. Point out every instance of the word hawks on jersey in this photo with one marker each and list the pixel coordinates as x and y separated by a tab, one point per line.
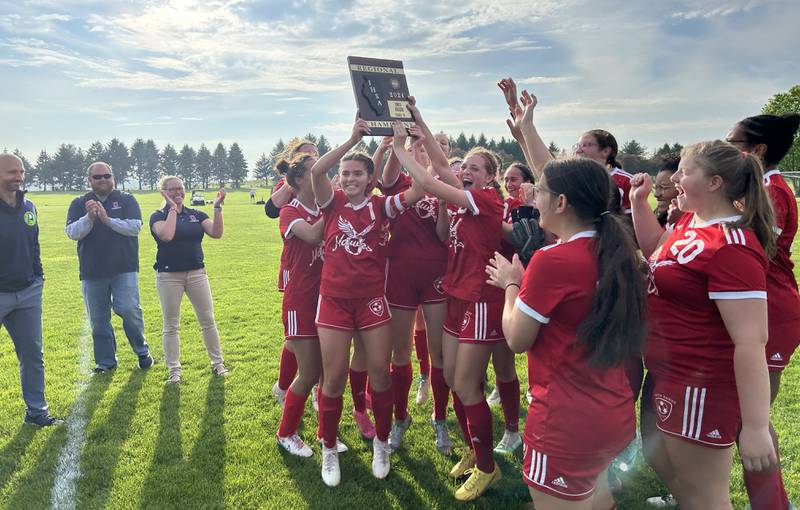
317	254
454	224
426	208
353	242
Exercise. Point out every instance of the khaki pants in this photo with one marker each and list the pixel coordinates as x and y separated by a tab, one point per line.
171	287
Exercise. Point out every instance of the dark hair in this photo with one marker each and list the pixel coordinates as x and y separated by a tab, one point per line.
615	328
777	132
492	162
743	179
670	163
527	175
363	157
606	140
294	169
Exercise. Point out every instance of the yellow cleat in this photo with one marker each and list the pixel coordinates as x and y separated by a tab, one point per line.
466	463
478	483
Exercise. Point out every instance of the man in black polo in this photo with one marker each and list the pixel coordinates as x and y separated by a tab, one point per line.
21	280
106	224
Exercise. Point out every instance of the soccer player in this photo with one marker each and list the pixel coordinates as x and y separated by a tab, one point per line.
356	230
578	311
708	309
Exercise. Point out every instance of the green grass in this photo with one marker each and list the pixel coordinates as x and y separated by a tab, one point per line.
210	442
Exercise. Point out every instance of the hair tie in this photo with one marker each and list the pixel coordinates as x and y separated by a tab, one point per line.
744	154
604	213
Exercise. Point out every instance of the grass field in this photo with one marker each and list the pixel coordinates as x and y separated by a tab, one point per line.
132	441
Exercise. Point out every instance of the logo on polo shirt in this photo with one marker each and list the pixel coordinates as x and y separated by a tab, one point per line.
29	218
115	206
193	218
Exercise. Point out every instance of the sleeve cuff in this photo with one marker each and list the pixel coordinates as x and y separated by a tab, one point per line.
747	294
472	205
527	310
288	234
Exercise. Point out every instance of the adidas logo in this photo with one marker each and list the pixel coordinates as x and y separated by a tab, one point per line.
714	434
776	357
560	482
494	332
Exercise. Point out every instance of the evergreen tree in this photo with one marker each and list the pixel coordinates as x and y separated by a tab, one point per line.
203	166
167	164
138	161
44	171
237	165
186	166
322	145
633	148
482	140
553	148
461	142
118	157
67	166
264	169
219	165
96	152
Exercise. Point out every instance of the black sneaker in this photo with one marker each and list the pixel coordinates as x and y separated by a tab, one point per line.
102	370
42	420
145	361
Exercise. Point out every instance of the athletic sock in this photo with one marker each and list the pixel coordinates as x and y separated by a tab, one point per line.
421	346
479	423
358	387
441	393
382	402
461	416
330	412
401	386
509	400
287	369
293	407
765	488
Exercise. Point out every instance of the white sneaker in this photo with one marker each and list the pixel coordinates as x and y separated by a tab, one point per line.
667	501
314	398
442	438
509	443
294	445
528	396
399	428
423	390
380	458
494	398
340	446
331	474
278	393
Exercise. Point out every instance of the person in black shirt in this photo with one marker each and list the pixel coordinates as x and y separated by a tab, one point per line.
106	224
178	232
665	192
21	281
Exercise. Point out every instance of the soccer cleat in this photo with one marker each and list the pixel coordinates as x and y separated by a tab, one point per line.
466	463
494	397
340	446
478	483
365	426
145	361
399	428
174	378
331	474
423	390
529	396
667	501
314	397
42	420
279	394
509	443
442	437
220	370
380	458
294	445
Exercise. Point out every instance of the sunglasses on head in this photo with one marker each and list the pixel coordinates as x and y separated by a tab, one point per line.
97	177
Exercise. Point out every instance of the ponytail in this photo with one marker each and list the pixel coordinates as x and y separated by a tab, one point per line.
758	213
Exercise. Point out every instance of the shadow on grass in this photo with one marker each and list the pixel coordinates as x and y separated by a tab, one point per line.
13	451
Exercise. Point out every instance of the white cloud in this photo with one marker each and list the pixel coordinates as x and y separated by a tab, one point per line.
539	80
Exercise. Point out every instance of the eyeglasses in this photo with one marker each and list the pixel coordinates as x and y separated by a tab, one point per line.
583	145
98	177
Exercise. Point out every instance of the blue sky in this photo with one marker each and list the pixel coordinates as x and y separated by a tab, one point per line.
75	71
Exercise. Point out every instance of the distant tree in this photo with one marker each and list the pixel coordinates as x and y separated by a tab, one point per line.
372	146
471	142
186	166
96	152
237	165
311	138
787	102
633	148
30	170
138	161
668	150
68	169
167	164
118	157
219	165
462	142
322	145
44	171
203	166
553	148
482	141
264	169
677	148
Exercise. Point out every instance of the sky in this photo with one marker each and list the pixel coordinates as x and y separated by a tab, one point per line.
253	72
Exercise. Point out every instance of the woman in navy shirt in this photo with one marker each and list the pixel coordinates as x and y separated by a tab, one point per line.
178	232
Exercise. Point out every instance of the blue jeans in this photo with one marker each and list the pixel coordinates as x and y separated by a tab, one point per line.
21	314
120	293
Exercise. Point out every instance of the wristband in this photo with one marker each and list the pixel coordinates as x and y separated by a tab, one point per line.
218	207
510	284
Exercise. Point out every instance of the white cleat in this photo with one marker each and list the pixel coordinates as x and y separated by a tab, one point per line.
340	446
331	474
279	394
380	458
494	398
423	390
294	445
315	398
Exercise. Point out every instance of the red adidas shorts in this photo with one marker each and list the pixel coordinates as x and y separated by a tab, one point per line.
707	416
299	318
474	322
352	314
561	477
784	338
411	283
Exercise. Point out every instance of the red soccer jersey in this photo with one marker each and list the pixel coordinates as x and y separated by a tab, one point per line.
283	272
623	181
784	300
356	239
475	234
301	261
414	233
569	395
506	247
696	265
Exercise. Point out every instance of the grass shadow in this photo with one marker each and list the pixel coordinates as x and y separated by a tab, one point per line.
160	488
207	459
12	452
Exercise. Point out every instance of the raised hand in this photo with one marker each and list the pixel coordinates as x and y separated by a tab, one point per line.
641	185
360	128
170	203
412	107
386	143
526	193
416	134
509	89
529	102
399	135
220	197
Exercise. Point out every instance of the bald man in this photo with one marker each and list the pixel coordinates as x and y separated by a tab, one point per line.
106	224
21	281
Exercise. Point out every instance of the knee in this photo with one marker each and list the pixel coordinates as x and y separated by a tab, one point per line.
334	384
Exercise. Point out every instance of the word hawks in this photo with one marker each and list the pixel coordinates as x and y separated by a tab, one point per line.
317	254
455	222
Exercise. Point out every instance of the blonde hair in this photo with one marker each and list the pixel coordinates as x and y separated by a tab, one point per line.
492	162
162	184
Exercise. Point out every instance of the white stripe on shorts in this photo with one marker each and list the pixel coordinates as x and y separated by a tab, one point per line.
693	405
538	471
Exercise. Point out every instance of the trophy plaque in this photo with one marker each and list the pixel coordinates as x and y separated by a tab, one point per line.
381	93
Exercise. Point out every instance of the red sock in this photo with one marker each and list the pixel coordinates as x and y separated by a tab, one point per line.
293	407
401	385
441	393
382	402
765	489
421	346
358	387
330	412
461	416
509	399
479	422
287	369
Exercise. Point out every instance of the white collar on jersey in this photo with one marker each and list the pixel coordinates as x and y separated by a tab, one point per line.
313	212
359	206
772	172
700	224
585	233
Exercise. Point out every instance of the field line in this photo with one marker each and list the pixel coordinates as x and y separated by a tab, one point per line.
69	460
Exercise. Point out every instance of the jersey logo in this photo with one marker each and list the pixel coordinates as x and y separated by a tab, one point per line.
376	306
466	320
29	218
559	482
115	206
385	234
714	434
776	357
663	408
426	208
353	242
193	218
437	284
455	244
318	253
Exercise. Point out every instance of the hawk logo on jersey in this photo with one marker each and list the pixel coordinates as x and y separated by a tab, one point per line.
437	284
426	208
376	306
352	241
454	242
663	407
466	320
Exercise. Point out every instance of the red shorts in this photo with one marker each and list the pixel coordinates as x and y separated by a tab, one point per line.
352	314
784	338
411	283
561	477
708	416
298	320
474	322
